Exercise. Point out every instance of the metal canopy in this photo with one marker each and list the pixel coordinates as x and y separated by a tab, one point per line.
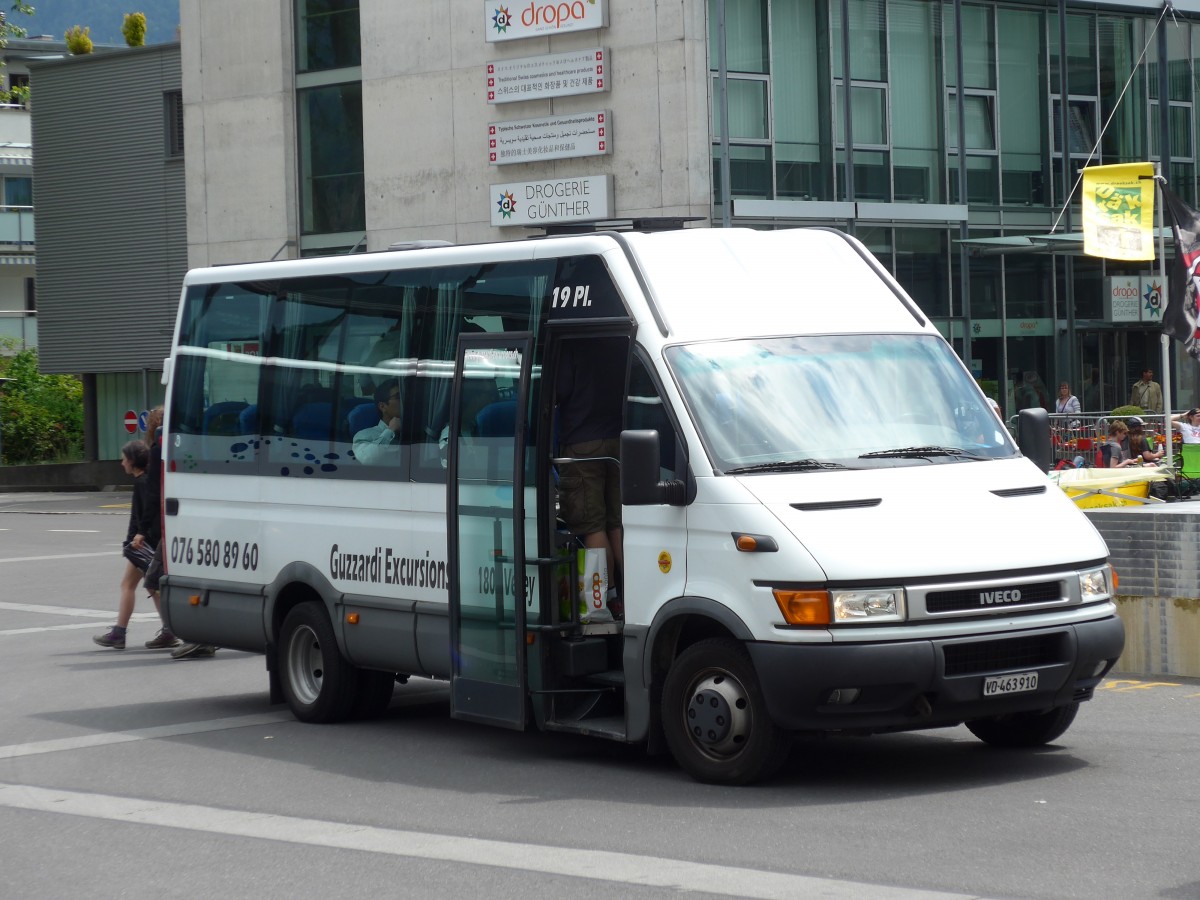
1068	242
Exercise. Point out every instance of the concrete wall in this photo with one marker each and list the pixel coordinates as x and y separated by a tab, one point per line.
425	117
1153	549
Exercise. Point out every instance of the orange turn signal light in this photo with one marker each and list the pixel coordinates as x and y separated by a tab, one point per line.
747	543
351	618
194	599
1115	579
803	607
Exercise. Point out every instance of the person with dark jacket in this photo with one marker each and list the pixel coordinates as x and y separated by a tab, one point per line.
141	538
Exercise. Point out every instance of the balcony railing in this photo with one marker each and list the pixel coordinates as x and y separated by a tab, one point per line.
19	325
16	226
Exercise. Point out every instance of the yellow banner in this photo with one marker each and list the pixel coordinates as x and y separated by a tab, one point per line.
1118	211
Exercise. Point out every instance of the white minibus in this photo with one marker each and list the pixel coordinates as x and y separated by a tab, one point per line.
824	527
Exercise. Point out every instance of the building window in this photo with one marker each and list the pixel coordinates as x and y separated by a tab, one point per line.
173	123
332	195
327	35
18	191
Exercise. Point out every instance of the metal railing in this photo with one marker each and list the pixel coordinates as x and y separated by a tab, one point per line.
1074	435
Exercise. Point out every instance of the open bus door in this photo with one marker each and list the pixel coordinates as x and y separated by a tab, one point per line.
487	532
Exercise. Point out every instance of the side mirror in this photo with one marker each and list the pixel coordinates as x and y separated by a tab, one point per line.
639	473
1033	437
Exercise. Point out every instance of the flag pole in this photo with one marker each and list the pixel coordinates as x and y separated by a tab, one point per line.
1163	338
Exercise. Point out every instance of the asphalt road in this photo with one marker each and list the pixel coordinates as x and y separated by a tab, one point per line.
127	774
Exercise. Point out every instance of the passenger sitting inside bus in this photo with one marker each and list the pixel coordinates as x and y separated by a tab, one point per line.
380	444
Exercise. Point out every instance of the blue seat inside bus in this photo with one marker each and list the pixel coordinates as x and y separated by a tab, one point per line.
248	420
497	419
222	418
363	416
312	421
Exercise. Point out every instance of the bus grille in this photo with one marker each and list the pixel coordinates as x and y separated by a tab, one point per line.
972	600
1010	653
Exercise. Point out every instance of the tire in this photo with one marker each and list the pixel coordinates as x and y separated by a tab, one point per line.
1027	729
374	693
317	682
715	719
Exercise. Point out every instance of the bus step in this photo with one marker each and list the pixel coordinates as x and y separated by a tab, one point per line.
610	727
611	678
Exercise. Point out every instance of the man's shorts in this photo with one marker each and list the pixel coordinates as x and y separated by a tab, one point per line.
155	569
589	491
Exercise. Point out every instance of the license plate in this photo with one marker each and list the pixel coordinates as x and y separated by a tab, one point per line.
1010	684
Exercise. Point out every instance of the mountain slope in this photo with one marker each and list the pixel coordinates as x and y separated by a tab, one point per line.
103	17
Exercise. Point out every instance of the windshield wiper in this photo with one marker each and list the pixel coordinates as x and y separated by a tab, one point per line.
793	465
918	453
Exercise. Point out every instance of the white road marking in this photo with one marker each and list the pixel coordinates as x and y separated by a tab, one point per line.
104	739
19	559
78	626
75	612
73	530
596	865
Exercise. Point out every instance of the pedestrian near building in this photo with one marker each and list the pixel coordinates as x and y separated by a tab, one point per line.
1066	402
1147	393
140	540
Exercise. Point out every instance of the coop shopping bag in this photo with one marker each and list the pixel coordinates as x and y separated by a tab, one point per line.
592	593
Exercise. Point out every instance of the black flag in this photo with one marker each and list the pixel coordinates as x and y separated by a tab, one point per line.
1180	318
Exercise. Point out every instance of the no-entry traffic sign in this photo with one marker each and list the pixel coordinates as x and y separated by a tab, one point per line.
131	422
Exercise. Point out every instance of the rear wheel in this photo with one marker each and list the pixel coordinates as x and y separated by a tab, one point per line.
318	684
715	719
1026	729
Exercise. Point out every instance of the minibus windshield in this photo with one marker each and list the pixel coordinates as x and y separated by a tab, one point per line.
820	403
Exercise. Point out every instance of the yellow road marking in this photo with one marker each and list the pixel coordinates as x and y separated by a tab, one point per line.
1126	685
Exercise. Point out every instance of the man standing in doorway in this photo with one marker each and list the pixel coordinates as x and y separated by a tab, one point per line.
1147	393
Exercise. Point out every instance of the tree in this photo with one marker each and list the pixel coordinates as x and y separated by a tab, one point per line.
8	30
134	29
78	40
41	416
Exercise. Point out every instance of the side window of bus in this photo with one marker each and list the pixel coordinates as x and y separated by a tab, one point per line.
644	409
338	340
215	383
467	300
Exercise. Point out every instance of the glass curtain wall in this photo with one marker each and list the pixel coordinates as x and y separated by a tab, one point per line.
329	125
789	140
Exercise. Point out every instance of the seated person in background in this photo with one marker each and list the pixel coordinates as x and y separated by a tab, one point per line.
1113	452
380	444
1189	425
1141	447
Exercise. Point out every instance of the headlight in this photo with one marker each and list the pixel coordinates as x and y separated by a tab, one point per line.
854	607
1095	585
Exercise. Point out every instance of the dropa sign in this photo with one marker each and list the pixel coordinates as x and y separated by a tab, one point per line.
512	20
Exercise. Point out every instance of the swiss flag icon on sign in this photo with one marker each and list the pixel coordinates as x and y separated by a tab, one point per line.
600	69
491	82
600	117
491	157
491	95
491	69
601	130
491	129
602	145
600	83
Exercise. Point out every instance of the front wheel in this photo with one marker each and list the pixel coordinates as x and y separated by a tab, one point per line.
317	682
1027	729
715	719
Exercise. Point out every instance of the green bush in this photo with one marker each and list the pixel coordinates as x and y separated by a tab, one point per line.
41	416
1122	412
134	29
78	40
